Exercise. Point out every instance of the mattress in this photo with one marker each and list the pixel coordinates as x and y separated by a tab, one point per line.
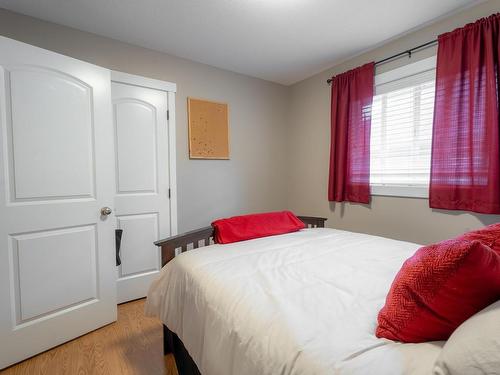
298	303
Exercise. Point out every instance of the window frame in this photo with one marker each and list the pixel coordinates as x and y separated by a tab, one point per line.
421	66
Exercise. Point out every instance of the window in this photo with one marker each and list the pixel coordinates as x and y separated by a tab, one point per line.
401	131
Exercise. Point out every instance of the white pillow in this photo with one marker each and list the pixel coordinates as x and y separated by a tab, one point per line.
474	347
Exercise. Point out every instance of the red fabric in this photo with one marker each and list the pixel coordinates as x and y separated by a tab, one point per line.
352	97
488	236
465	167
246	227
437	289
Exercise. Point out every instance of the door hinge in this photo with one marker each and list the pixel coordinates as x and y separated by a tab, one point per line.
168	115
169	193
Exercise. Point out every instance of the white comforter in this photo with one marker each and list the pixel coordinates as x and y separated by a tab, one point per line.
299	303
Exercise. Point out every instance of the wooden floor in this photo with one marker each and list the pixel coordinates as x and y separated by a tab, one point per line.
132	345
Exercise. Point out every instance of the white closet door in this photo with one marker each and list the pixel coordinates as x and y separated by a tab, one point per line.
57	265
142	184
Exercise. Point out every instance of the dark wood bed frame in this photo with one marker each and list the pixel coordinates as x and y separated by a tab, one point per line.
185	242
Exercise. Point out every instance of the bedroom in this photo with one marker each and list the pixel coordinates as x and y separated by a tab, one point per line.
59	255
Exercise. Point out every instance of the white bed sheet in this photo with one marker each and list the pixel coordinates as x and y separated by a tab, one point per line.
299	303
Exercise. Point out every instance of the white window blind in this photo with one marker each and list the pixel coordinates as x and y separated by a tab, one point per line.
401	131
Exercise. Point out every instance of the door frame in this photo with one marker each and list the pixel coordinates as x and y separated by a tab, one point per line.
170	88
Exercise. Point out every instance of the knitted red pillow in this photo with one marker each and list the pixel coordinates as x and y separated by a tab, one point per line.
437	289
489	236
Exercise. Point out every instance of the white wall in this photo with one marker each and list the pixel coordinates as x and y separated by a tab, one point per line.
254	178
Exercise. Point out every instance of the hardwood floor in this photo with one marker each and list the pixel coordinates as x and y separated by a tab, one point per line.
132	345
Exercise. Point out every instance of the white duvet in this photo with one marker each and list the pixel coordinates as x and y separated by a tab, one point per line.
299	303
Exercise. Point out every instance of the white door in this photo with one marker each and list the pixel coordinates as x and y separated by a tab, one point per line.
57	265
142	184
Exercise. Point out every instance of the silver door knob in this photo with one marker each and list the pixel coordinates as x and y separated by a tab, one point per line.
105	211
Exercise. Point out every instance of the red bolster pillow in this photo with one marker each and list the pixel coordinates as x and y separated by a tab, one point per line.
246	227
437	289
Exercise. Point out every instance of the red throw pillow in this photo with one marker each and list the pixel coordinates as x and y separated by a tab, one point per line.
489	236
246	227
437	289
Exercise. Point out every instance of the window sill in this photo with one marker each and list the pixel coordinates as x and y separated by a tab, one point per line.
403	191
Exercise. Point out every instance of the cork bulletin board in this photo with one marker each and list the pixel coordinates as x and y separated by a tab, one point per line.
208	129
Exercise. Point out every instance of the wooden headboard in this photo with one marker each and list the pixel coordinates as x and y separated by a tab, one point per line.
205	237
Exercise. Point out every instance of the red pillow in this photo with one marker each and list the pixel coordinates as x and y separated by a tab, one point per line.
246	227
437	289
489	236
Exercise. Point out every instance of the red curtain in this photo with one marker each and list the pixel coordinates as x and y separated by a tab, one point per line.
465	168
352	97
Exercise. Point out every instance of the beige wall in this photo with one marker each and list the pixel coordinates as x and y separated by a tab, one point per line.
253	180
308	153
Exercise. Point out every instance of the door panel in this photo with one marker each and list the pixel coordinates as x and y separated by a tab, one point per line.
40	289
57	271
138	253
142	203
42	96
136	146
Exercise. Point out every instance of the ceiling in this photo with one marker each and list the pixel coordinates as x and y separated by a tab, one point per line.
282	41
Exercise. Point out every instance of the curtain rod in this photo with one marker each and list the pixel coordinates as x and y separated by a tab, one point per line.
400	54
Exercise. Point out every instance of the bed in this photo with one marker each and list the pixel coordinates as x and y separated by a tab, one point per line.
298	303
